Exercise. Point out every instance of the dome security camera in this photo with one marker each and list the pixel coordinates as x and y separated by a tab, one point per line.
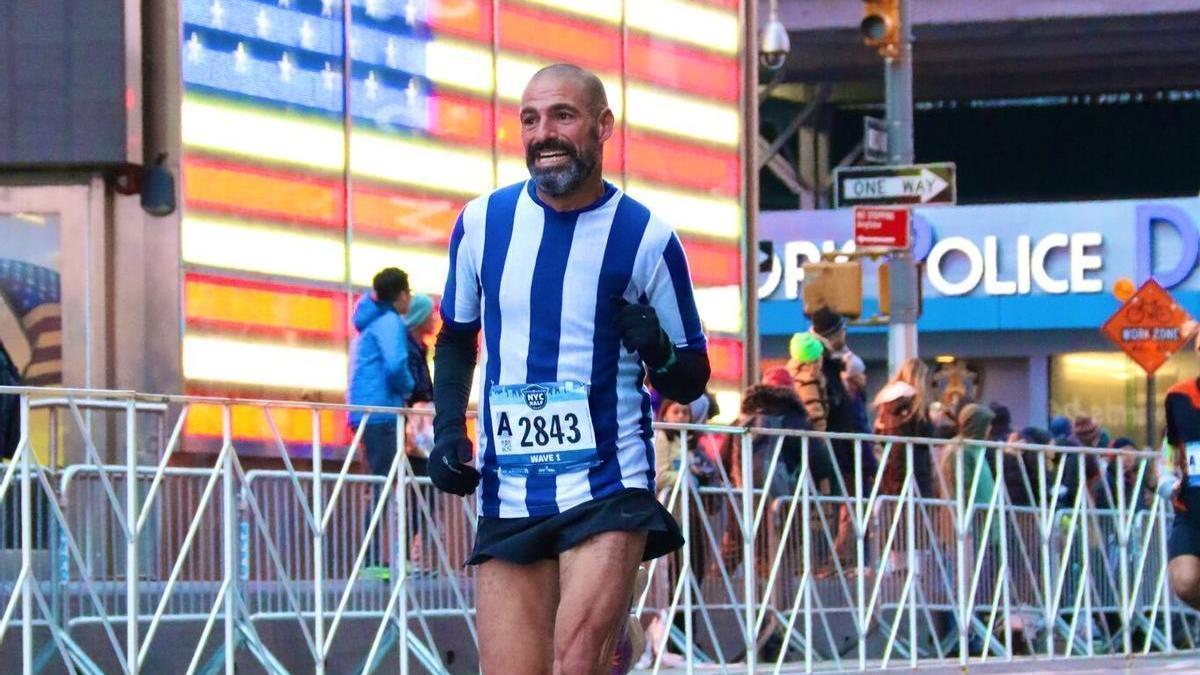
773	44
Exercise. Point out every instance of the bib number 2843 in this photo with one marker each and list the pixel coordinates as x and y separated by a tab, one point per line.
542	429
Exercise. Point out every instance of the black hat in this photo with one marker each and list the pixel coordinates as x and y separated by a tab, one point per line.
826	322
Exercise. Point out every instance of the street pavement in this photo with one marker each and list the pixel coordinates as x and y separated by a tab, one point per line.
1099	665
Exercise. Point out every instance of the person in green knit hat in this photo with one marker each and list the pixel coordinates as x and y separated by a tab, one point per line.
806	350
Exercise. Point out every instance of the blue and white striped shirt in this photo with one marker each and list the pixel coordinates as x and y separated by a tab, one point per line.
543	286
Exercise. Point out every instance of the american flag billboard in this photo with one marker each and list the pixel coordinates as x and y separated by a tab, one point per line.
291	205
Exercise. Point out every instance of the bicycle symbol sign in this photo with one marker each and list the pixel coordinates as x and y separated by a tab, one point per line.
1149	327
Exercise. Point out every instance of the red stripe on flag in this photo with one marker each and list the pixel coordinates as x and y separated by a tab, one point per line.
676	163
290	312
559	38
712	264
725	358
678	67
465	18
290	196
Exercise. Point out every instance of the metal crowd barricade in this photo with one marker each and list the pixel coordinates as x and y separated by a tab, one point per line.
124	561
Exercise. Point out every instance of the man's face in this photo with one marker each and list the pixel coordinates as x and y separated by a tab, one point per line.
838	340
561	134
403	301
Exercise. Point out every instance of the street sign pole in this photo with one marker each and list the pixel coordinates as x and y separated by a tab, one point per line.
1150	327
1151	411
898	81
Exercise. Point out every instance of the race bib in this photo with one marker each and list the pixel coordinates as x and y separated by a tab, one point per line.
542	429
1193	463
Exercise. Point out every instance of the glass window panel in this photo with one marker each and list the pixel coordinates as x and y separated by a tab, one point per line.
1111	388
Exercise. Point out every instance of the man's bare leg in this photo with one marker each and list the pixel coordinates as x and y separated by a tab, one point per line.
515	614
596	580
1185	579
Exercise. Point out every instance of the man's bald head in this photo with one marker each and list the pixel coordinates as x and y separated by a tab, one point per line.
594	95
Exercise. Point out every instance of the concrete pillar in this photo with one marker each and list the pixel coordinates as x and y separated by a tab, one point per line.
1039	389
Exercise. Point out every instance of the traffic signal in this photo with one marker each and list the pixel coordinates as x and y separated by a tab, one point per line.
885	289
880	26
837	286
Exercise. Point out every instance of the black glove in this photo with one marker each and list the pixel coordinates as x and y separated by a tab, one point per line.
641	333
446	467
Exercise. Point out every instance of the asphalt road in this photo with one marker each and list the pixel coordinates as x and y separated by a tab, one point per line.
1100	665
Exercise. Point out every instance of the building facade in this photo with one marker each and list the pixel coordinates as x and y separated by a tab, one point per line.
1014	296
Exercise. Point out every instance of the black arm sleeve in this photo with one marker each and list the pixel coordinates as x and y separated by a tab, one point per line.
684	380
454	360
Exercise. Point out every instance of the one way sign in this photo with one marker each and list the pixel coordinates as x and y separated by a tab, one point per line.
917	184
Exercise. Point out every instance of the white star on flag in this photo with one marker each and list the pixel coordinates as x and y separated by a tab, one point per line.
240	58
306	35
285	4
373	10
412	91
390	51
327	8
285	68
410	12
262	23
218	14
328	76
195	50
372	86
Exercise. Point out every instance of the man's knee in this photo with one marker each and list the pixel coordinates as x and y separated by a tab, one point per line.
1185	579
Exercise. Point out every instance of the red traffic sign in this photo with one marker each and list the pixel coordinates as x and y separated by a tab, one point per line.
1149	327
882	227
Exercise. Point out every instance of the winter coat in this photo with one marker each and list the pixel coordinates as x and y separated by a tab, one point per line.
1021	478
379	371
973	424
893	471
843	418
810	391
418	365
769	407
668	458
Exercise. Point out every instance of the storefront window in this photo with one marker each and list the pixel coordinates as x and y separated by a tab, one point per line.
1111	388
31	306
30	294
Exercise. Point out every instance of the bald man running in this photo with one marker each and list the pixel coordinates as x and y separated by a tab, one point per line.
580	293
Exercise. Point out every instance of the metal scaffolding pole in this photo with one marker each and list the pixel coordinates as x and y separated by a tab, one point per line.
898	81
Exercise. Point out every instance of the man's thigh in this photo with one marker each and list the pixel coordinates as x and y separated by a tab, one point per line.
1184	571
595	580
515	607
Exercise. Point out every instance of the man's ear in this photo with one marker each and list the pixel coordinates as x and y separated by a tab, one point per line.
607	123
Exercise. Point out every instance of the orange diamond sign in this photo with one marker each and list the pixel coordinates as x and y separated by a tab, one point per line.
1149	327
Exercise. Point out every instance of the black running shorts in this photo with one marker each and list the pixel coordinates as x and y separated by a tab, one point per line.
527	540
1184	538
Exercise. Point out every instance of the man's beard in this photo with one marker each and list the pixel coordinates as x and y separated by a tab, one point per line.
563	180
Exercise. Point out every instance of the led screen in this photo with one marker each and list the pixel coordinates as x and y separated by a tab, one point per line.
291	205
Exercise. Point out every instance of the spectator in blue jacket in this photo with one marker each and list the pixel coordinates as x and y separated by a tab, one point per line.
379	370
380	376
